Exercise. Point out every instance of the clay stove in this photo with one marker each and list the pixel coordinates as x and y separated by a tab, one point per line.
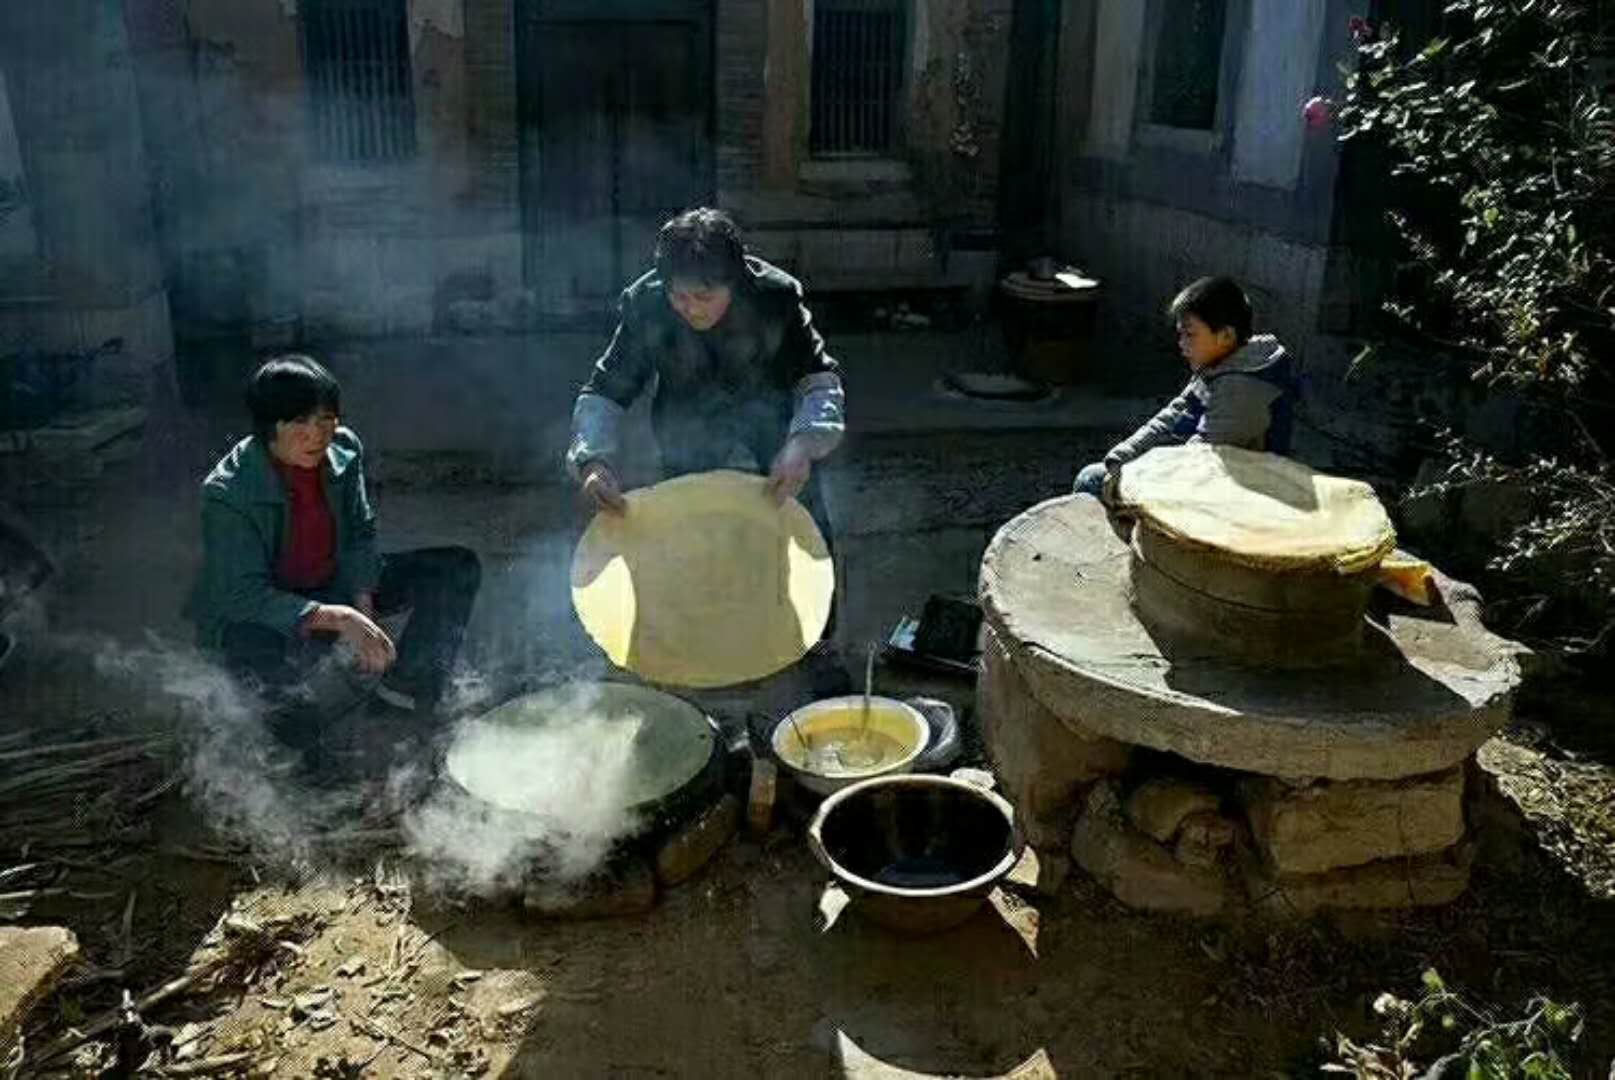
1189	775
667	774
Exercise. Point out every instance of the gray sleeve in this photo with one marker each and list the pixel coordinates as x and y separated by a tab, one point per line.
821	409
1239	410
1159	430
596	433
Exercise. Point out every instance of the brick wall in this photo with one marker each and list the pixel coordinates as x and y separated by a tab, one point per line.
491	103
742	48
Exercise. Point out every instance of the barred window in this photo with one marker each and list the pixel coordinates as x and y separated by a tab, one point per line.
1188	63
858	49
361	99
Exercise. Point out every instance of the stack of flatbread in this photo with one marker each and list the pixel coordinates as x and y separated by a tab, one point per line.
1257	510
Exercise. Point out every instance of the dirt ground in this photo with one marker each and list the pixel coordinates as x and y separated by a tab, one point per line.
734	973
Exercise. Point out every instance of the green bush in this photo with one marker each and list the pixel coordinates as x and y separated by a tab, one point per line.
1472	1043
1499	146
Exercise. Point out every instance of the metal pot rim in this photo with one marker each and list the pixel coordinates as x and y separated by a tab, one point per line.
826	704
1004	865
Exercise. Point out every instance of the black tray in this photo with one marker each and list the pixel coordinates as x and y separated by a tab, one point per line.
944	639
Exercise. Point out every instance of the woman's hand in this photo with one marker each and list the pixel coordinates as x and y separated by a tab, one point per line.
372	648
790	471
601	486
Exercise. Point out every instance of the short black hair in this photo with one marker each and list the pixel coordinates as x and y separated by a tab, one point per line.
1218	302
290	387
702	245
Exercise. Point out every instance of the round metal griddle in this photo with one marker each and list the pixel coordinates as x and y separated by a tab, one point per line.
674	759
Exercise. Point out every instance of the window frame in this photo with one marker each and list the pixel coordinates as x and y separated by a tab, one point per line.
900	93
1215	139
320	110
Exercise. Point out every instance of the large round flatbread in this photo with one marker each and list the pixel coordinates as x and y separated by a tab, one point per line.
704	582
1257	509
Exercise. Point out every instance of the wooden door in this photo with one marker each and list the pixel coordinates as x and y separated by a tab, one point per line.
616	121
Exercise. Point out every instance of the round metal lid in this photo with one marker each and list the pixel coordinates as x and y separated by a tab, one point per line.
652	743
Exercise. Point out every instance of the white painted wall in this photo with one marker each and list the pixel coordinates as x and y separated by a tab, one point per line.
1278	76
1118	49
17	236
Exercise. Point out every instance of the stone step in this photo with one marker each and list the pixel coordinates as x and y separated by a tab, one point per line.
32	960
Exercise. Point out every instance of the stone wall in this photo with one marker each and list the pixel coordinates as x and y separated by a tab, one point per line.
94	271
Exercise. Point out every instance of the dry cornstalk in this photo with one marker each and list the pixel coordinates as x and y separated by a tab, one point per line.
85	744
391	1036
207	1066
113	1017
51	776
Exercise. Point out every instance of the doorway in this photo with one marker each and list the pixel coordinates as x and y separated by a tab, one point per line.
616	138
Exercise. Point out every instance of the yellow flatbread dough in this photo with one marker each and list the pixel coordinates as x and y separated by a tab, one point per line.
1257	509
704	582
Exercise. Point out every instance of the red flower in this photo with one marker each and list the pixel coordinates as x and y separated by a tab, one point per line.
1317	112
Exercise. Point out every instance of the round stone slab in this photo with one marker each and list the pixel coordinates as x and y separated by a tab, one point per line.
1429	687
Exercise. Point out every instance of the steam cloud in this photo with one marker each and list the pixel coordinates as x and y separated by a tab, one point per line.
553	797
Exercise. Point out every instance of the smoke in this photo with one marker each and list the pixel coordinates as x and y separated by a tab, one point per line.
242	779
527	795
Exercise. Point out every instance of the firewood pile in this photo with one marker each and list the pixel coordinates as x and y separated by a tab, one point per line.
71	804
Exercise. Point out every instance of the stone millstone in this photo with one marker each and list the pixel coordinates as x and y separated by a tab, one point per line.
32	960
1427	689
1202	602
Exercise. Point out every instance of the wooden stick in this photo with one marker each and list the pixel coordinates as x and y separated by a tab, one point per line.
126	946
87	744
391	1036
111	1019
206	1066
18	871
224	858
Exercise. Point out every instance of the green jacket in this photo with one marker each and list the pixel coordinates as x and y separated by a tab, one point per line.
244	518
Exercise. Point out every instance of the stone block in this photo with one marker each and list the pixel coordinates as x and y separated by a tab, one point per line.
1043	761
1390	883
32	960
763	792
689	849
1350	823
1138	871
625	889
1157	807
1203	837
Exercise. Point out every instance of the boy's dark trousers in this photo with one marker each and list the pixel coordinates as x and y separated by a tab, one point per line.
436	585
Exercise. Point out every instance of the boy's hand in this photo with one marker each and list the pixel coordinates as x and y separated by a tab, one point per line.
601	486
790	471
1107	494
